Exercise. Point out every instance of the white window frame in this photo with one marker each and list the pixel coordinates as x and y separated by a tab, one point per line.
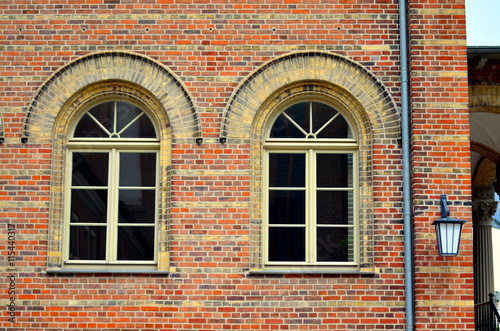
311	147
113	146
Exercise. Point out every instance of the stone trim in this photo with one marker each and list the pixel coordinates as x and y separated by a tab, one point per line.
341	72
119	66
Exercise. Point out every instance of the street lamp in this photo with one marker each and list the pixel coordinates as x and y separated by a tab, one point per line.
448	231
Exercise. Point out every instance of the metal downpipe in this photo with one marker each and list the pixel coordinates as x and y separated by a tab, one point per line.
405	138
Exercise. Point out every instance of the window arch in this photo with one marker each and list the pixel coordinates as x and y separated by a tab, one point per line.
111	210
366	104
310	196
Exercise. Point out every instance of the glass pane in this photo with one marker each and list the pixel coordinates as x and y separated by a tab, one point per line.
136	206
104	114
287	244
287	170
335	245
87	243
125	113
89	206
142	128
287	207
136	243
283	128
138	169
338	128
334	207
334	170
88	128
90	169
138	128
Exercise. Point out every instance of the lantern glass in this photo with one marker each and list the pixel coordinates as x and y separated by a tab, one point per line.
448	235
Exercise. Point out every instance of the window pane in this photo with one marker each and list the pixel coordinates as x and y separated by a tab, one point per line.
88	128
90	169
125	113
104	114
287	170
334	207
141	128
87	243
89	206
335	245
338	128
136	206
287	207
136	243
138	169
287	244
334	170
284	128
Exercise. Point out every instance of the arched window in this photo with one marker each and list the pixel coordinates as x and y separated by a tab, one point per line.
310	187
112	175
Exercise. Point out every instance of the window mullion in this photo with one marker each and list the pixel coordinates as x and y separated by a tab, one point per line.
112	226
311	207
115	112
310	117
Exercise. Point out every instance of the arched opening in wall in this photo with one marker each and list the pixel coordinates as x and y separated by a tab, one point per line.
111	152
344	89
313	146
310	198
152	92
485	163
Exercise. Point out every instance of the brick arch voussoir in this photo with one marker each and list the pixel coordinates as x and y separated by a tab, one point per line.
380	111
137	69
485	151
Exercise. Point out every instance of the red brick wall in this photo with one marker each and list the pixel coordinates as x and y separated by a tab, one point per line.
212	47
441	159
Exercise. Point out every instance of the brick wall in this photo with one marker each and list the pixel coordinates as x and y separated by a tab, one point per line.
441	160
220	62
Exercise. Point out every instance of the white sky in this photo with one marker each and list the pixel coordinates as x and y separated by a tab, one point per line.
483	22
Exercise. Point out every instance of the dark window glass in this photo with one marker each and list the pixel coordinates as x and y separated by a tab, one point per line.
136	243
104	114
287	207
88	128
137	127
87	243
89	205
125	114
334	244
295	122
333	170
287	244
284	128
322	114
138	169
115	119
287	170
136	206
90	169
334	207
